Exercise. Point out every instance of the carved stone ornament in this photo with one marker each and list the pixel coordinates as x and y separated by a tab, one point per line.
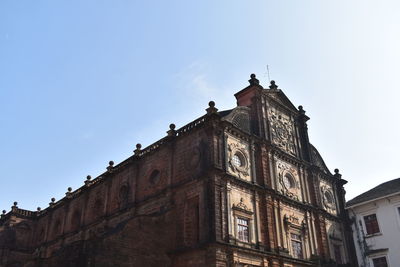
328	199
292	219
241	207
238	159
288	180
293	222
282	133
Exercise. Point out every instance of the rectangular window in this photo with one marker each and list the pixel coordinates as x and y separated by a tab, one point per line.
380	262
243	229
338	253
371	224
296	246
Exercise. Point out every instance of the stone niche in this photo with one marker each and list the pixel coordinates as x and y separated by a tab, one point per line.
335	241
238	158
328	198
241	207
282	130
288	180
294	223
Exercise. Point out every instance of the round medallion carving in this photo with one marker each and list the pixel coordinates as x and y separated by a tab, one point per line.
192	158
328	200
155	177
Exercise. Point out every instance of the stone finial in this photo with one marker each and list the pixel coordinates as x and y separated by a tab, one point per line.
15	204
301	110
337	174
137	150
211	108
110	165
171	131
4	212
88	178
38	209
273	85
69	189
52	201
302	115
253	80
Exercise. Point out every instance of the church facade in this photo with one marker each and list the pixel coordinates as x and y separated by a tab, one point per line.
241	187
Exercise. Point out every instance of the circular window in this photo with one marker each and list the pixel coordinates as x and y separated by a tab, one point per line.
288	181
155	177
237	160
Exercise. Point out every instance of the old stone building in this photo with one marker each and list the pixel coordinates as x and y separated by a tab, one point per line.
241	187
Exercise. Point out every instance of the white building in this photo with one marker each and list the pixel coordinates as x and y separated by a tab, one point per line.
375	218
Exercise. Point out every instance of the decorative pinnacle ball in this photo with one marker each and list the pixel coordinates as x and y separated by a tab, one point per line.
53	199
138	146
69	189
38	209
252	75
111	163
88	177
336	171
211	104
4	211
172	126
15	203
300	107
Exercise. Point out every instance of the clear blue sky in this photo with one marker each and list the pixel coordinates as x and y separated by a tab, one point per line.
81	82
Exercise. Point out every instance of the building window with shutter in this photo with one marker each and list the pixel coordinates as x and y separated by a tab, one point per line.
371	224
296	246
380	262
243	229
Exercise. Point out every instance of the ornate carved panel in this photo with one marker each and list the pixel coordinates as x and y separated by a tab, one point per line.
327	197
288	180
238	158
282	130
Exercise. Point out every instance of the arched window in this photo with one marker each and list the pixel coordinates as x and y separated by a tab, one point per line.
98	208
40	237
123	197
75	220
56	228
155	177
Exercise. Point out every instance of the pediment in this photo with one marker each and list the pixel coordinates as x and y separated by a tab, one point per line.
317	160
278	96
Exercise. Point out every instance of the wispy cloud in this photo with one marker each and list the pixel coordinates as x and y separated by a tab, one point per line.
196	81
86	135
